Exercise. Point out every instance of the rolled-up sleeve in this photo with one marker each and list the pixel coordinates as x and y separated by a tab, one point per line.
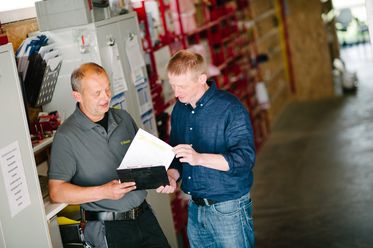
239	137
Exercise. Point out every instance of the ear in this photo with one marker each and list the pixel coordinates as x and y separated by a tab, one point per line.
76	95
202	78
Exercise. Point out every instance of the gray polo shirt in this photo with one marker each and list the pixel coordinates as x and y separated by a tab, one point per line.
84	154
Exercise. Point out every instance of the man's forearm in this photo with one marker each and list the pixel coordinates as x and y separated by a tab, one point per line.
213	161
186	154
64	192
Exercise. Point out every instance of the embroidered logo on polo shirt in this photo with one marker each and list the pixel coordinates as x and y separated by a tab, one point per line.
125	142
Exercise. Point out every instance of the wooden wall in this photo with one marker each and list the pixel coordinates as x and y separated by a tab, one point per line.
17	31
269	41
310	55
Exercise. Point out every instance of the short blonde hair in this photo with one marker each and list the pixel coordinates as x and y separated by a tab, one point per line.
186	61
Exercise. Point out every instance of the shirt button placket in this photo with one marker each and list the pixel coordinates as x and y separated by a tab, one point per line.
190	128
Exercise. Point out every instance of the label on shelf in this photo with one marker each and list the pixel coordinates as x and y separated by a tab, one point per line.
14	178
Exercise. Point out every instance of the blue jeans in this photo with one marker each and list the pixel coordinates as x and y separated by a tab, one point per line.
226	224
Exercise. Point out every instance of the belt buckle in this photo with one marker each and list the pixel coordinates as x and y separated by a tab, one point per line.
132	214
82	215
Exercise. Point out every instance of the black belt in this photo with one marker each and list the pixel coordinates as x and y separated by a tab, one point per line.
203	201
110	216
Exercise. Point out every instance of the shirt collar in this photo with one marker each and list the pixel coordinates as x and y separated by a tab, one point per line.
86	123
208	94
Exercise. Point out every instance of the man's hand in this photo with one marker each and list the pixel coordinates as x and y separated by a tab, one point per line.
187	154
115	190
173	175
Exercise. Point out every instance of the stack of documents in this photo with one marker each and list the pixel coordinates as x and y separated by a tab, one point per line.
146	161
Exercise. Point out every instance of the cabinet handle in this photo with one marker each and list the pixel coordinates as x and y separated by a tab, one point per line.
110	41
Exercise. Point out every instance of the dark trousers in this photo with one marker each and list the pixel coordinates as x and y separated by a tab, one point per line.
144	231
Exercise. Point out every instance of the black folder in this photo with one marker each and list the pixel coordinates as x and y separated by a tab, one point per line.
145	177
34	77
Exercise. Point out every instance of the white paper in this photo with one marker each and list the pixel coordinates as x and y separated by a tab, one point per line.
117	99
134	53
49	55
24	46
45	49
146	150
14	178
144	101
54	62
162	56
147	121
369	10
110	56
118	80
138	76
262	95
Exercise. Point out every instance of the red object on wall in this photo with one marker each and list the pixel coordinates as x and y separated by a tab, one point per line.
3	39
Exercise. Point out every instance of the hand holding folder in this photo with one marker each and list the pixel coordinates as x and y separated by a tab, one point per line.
145	177
146	162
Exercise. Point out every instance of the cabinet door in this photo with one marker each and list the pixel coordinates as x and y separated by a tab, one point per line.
22	214
77	45
122	33
107	39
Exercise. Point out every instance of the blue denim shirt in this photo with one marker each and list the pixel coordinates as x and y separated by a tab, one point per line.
219	124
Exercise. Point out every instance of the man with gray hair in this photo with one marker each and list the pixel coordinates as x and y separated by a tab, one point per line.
87	149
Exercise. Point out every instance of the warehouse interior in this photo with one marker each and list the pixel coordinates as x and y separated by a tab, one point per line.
303	69
313	175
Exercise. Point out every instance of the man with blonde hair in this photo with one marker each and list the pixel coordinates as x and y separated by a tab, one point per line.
215	154
87	149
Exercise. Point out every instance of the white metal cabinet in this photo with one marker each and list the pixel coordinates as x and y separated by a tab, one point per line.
20	226
91	43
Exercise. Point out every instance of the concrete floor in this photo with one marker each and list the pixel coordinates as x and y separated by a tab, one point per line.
314	176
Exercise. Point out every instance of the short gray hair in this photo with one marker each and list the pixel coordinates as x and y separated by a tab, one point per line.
78	74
